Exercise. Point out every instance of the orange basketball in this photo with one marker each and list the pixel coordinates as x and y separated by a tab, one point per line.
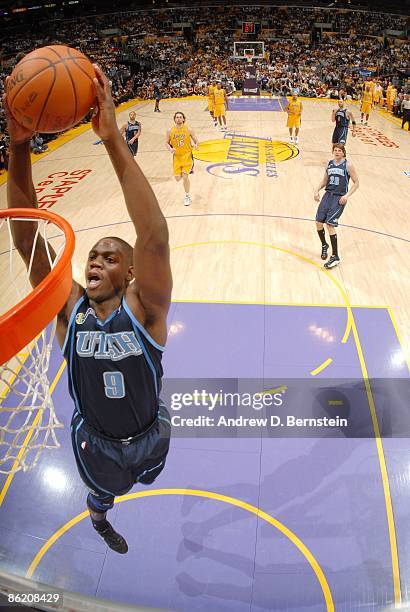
51	89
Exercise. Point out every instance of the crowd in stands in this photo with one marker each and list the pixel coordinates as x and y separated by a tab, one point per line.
144	49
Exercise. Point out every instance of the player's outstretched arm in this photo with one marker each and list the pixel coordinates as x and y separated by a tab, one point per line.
21	194
150	295
334	115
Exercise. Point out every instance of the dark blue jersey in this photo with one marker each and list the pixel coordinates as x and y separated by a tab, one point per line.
114	370
337	177
131	130
342	120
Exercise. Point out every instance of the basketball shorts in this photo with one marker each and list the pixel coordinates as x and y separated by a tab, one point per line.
219	110
183	164
111	467
340	135
329	210
211	105
366	108
133	147
293	121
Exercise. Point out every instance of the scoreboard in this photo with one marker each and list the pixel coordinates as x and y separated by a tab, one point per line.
249	27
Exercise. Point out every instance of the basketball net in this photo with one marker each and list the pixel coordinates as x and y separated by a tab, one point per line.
27	418
249	57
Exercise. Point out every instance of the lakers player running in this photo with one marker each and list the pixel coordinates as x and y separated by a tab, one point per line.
294	109
336	183
112	331
179	141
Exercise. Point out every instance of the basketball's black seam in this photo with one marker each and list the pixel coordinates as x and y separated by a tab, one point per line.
80	68
54	51
32	76
74	90
47	97
63	61
78	65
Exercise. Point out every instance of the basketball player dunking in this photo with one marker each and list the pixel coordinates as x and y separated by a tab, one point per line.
336	182
113	331
342	117
131	131
179	141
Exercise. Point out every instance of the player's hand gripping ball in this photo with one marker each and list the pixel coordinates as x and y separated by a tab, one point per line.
51	89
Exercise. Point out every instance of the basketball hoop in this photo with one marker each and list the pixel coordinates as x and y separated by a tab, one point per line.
27	329
249	57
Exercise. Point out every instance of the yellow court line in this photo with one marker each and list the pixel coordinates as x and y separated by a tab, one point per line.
321	269
28	437
209	495
321	367
383	469
399	337
22	357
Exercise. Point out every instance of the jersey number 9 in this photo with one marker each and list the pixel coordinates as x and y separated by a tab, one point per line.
114	386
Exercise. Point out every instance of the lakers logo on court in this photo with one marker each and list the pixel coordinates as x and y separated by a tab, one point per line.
237	154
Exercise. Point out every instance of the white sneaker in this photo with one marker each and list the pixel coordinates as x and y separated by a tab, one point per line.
187	200
291	139
296	140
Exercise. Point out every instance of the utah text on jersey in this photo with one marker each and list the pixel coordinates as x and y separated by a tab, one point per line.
101	345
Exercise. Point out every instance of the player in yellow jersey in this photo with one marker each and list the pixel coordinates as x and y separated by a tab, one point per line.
179	141
377	93
220	105
367	102
389	97
294	109
211	101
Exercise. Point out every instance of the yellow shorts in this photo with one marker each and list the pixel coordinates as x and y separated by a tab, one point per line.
211	105
366	108
219	110
183	164
293	121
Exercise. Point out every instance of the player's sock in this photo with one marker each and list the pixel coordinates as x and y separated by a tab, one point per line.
113	539
322	236
333	240
325	246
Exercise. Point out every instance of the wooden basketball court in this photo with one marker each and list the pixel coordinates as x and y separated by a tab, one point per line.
251	300
260	193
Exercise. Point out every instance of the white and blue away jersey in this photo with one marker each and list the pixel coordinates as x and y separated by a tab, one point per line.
337	177
114	370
